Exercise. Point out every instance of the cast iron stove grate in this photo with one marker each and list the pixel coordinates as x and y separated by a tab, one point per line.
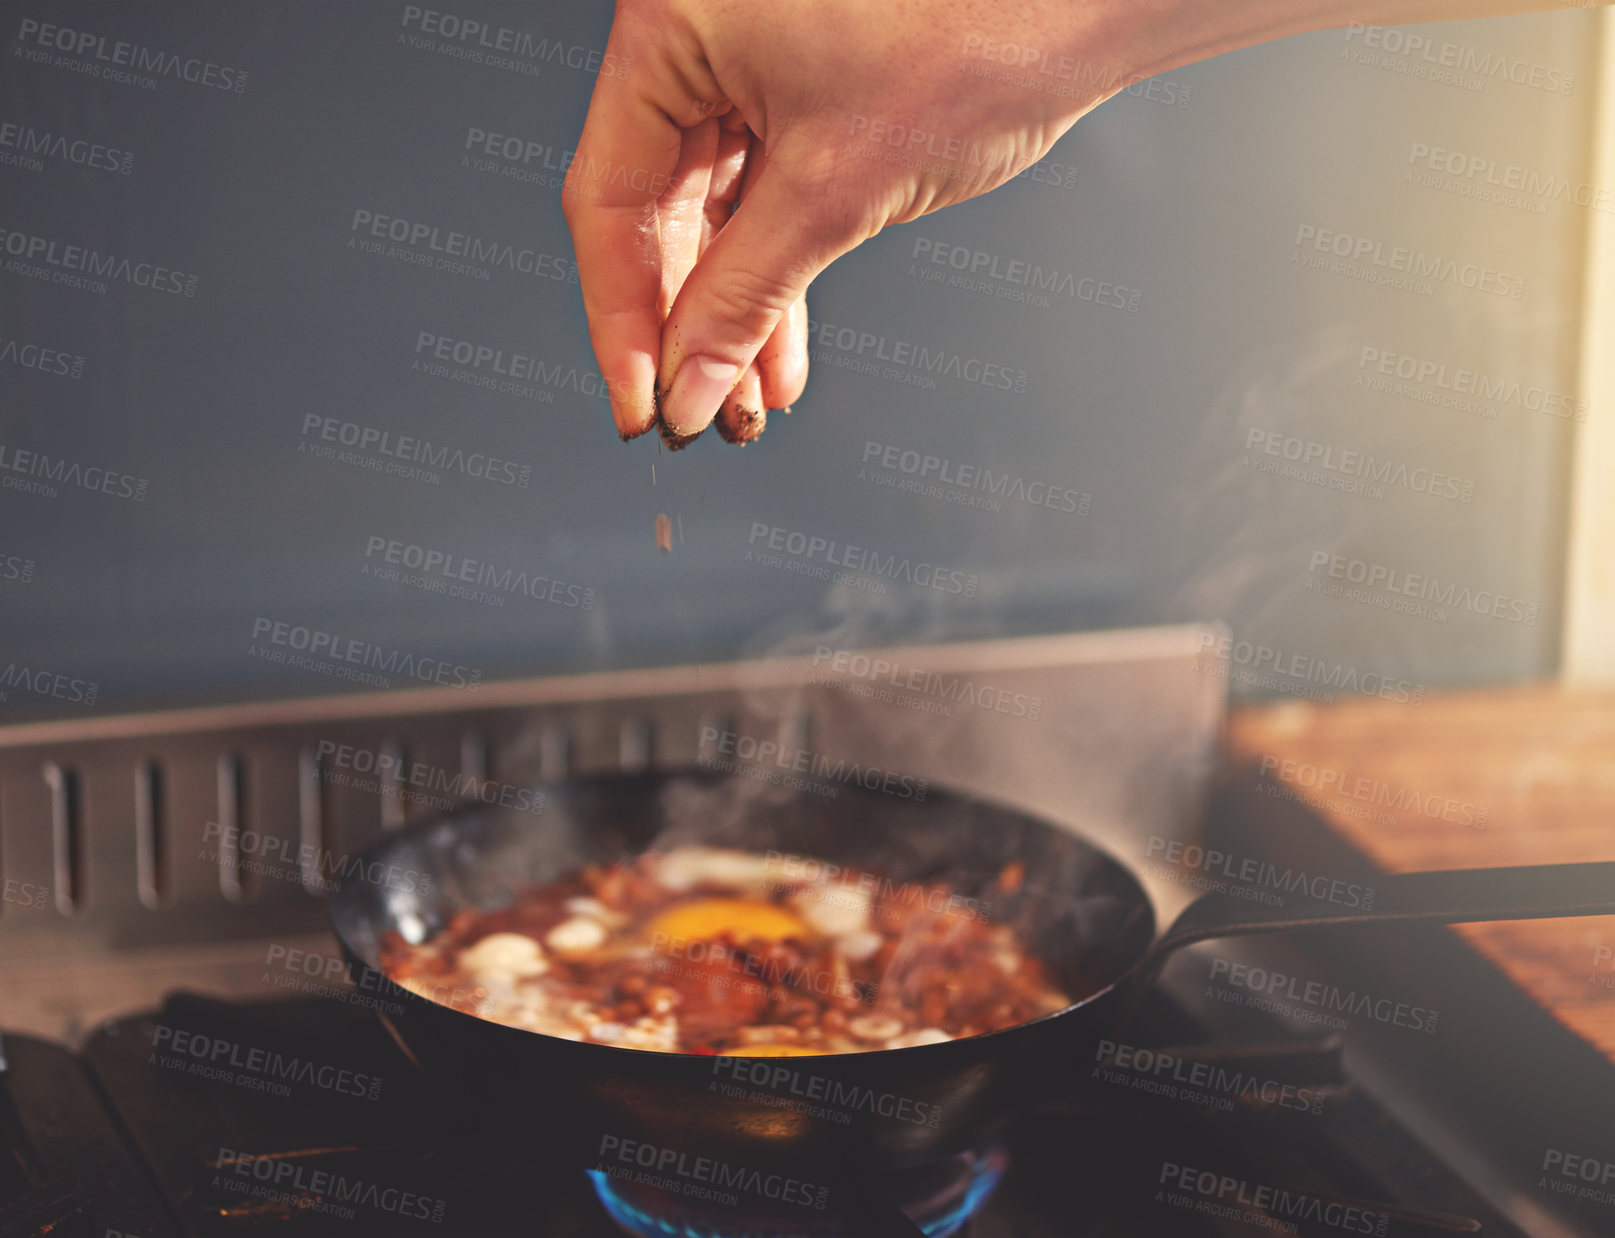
141	1136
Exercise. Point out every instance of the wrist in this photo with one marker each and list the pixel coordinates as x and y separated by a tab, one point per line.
1145	38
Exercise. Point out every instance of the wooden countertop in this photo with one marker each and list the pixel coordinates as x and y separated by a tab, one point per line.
1469	780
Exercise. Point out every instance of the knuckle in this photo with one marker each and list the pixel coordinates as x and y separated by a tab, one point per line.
815	171
839	203
750	299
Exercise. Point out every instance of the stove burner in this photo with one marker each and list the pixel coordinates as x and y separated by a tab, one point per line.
939	1198
143	1149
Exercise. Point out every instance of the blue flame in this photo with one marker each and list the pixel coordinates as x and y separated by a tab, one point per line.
984	1178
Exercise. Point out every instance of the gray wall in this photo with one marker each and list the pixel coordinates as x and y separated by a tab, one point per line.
1153	416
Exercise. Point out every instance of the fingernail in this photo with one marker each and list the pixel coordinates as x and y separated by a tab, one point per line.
744	427
675	442
633	405
698	390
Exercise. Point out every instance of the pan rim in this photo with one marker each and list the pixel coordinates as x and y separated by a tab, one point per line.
428	823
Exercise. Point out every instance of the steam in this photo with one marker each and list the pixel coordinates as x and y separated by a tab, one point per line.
1250	569
1063	913
941	840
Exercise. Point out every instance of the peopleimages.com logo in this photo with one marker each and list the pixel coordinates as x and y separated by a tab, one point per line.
395	774
216	1057
116	59
846	885
753	753
444	571
482	40
430	241
1237	1199
1289	666
35	357
293	1185
495	368
1352	470
53	471
806	548
1015	279
1529	185
25	894
1419	51
815	1095
1578	1175
1400	266
917	470
917	364
1330	783
42	682
333	648
28	147
79	266
316	867
677	1169
397	454
1018	62
1603	957
953	689
1401	584
1456	384
1316	1001
308	971
17	568
1210	860
1211	1084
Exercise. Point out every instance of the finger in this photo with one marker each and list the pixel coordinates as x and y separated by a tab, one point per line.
727	165
758	265
735	163
744	414
627	154
783	361
681	210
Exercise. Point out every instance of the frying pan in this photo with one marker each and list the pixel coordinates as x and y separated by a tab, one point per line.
1079	910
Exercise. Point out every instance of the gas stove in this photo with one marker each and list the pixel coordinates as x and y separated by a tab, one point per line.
185	1053
301	1116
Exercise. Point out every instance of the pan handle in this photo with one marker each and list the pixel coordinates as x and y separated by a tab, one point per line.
1456	896
1453	896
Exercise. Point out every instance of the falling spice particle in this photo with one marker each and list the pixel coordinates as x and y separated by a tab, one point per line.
664	533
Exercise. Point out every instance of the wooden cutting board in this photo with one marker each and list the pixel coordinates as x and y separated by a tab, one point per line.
1468	780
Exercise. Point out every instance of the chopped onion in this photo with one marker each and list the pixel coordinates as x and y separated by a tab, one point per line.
505	955
576	935
875	1026
925	1036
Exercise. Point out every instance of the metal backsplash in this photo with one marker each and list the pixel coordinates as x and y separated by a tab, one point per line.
202	825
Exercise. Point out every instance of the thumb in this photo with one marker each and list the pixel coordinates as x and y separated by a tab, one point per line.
758	265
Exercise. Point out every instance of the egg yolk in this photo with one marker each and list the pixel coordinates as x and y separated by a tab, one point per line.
746	918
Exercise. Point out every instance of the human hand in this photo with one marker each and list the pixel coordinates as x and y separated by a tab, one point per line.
749	145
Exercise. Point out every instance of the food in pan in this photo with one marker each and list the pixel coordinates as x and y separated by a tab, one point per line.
702	950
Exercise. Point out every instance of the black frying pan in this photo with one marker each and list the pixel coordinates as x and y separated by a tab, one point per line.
1079	910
